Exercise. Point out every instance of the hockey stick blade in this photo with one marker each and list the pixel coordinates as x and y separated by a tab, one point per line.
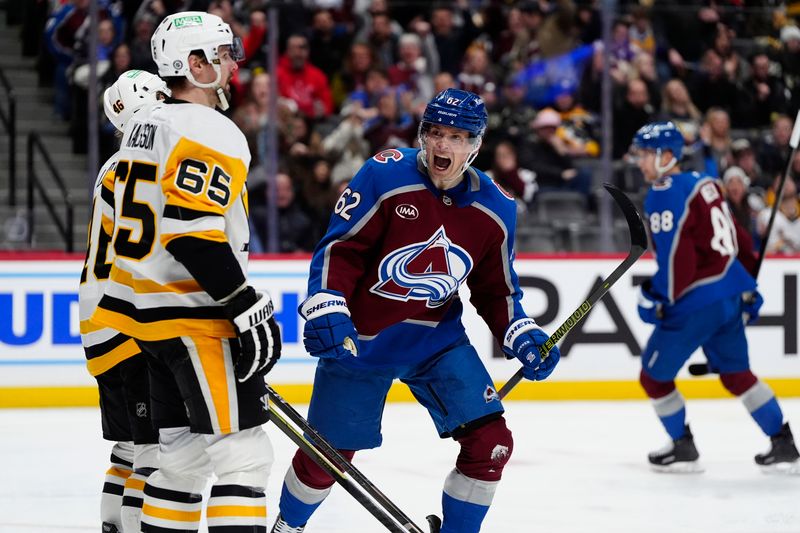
638	237
701	369
322	449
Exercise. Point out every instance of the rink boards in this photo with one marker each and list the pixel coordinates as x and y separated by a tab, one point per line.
42	364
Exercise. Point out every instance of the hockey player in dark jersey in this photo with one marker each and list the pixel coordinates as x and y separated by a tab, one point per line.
702	296
383	304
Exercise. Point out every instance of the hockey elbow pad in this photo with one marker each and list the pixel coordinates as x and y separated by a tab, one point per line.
329	331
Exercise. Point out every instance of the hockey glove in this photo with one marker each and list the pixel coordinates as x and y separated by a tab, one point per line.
651	308
751	305
257	332
329	331
522	340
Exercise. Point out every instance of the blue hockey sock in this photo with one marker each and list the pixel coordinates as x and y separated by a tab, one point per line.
769	417
675	423
461	516
294	511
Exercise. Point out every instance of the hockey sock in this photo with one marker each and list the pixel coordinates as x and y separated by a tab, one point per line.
758	399
298	500
667	402
236	506
114	486
145	458
465	502
166	509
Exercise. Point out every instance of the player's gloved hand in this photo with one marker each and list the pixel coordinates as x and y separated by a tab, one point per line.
257	332
522	340
329	331
751	305
651	308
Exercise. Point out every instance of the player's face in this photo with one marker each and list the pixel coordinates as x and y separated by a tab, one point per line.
446	150
227	65
646	160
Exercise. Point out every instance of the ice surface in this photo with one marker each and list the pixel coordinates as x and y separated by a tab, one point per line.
577	467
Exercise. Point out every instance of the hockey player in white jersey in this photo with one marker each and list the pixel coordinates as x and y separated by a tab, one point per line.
178	285
113	358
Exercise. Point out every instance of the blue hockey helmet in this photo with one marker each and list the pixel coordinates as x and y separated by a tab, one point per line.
660	136
457	108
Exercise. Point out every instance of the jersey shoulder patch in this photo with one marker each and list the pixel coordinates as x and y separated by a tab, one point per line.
385	156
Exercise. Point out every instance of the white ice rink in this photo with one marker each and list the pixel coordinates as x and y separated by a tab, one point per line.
577	467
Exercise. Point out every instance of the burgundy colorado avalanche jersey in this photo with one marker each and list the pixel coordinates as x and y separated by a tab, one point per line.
697	242
398	249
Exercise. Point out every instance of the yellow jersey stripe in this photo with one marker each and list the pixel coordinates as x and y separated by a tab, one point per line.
210	235
163	329
146	286
98	365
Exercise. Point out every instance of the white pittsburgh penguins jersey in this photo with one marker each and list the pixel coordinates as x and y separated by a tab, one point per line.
104	347
181	171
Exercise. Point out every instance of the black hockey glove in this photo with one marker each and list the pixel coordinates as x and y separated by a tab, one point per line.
257	332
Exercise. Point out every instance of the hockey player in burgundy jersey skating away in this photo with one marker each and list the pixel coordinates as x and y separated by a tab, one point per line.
702	296
383	304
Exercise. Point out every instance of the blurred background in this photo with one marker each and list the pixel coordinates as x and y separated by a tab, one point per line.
327	83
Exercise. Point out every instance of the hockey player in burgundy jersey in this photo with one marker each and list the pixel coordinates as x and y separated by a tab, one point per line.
383	304
702	296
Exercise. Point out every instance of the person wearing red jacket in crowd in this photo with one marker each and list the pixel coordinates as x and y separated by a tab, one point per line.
302	82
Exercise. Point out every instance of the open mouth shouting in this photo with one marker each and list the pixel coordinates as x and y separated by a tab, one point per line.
441	163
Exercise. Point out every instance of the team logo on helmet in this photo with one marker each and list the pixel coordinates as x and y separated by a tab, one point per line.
431	271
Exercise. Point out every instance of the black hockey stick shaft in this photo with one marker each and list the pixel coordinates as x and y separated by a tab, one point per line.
701	369
638	247
321	447
315	455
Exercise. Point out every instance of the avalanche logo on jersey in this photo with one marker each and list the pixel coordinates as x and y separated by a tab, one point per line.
430	271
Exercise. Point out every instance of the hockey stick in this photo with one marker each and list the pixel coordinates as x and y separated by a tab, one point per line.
334	463
701	369
638	247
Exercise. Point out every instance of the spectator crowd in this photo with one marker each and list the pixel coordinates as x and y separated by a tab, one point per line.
353	77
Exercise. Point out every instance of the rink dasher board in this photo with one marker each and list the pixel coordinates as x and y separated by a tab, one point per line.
42	364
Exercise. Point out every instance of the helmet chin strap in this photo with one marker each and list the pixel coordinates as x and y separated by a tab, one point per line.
660	171
223	100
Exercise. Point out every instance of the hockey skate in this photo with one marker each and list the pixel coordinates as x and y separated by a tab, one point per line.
281	526
782	456
679	456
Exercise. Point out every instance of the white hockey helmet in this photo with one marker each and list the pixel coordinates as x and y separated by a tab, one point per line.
133	90
180	34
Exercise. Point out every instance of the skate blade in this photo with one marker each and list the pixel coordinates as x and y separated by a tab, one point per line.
782	469
680	467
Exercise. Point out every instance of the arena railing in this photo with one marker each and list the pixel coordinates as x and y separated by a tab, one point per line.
8	117
65	227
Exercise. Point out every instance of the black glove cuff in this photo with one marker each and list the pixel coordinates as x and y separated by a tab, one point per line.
240	303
